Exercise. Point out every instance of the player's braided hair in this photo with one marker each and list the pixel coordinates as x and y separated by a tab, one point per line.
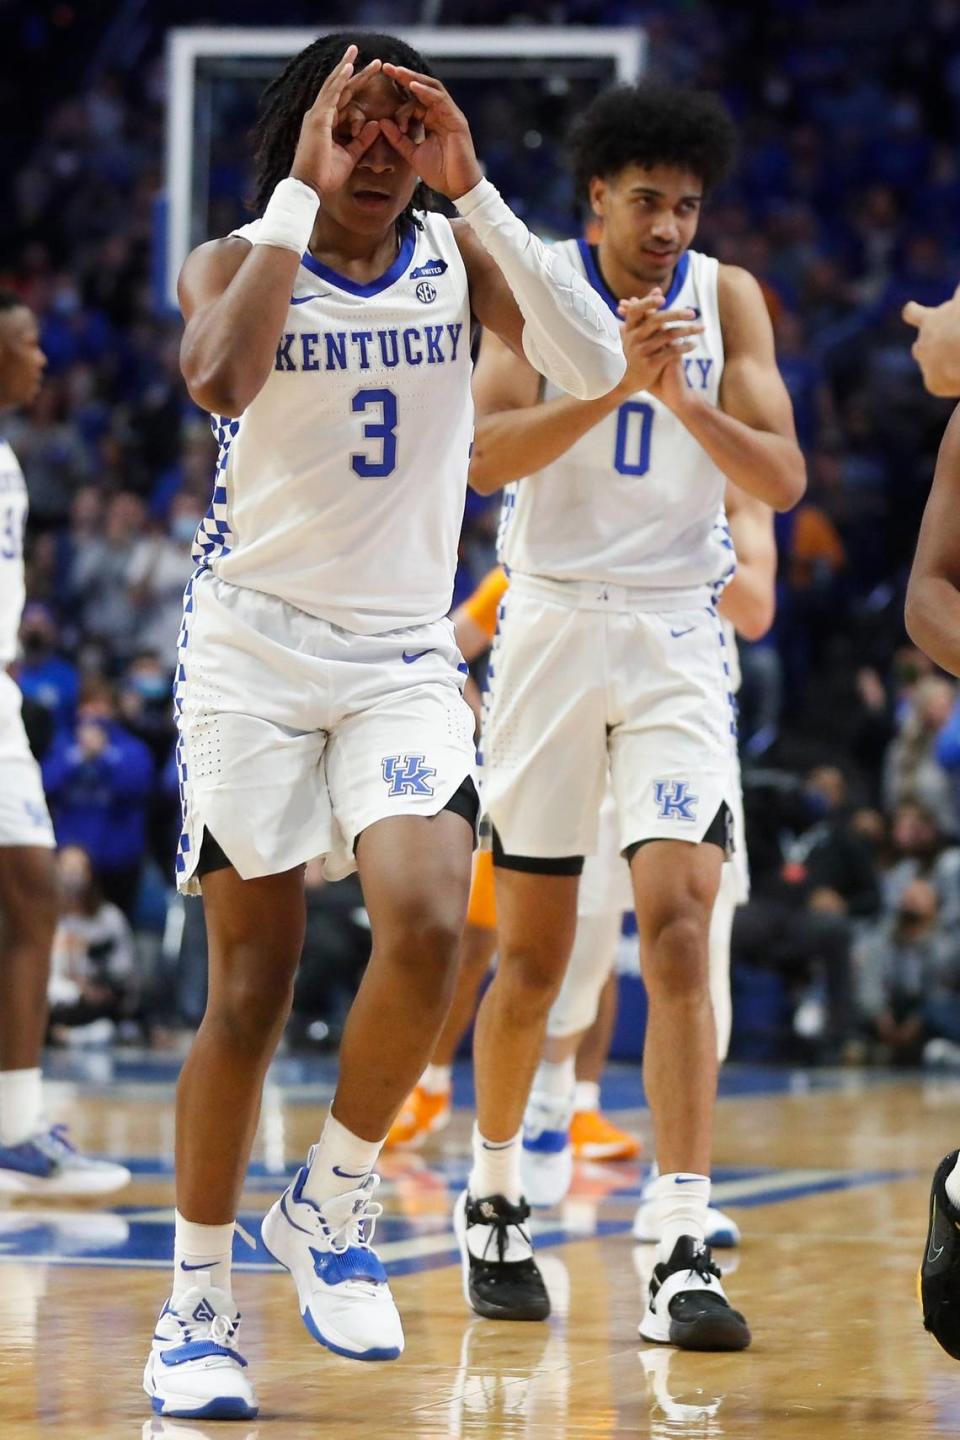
290	94
653	124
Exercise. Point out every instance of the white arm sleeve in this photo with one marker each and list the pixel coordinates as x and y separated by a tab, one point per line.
569	335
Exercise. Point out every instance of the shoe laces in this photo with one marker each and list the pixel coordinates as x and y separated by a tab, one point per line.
358	1225
500	1225
221	1329
704	1266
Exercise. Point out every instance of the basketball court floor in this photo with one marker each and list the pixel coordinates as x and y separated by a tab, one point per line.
826	1172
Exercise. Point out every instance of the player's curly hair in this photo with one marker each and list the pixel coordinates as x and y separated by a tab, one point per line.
290	94
653	124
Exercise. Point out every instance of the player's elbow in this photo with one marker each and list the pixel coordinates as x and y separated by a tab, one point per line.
602	376
757	619
485	476
916	614
218	394
791	481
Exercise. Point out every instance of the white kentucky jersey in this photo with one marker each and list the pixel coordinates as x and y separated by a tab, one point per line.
341	487
13	519
636	501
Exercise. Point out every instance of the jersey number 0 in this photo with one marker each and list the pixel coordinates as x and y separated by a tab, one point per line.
634	424
382	429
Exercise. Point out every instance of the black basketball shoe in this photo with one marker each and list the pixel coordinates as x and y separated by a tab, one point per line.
500	1276
687	1306
938	1283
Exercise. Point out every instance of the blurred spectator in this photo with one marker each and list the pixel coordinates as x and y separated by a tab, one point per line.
44	675
92	971
912	770
922	852
99	576
159	567
900	965
98	778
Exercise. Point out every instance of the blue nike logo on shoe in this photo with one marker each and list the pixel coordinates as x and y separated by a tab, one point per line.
351	1174
677	633
408	659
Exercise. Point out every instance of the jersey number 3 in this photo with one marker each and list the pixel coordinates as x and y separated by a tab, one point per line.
634	424
382	429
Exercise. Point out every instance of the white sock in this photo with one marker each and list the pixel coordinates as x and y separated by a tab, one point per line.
496	1167
586	1096
21	1105
437	1079
556	1079
681	1199
952	1182
201	1250
341	1162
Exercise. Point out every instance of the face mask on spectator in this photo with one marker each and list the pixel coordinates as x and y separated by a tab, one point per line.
184	528
151	687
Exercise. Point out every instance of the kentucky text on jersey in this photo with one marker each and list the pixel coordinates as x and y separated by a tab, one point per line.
364	349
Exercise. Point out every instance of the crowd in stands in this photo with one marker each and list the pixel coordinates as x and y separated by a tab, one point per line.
846	202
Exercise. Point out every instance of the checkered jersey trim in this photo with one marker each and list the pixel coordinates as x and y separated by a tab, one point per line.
213	538
179	685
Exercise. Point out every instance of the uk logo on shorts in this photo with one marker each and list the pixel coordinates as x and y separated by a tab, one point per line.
674	800
407	775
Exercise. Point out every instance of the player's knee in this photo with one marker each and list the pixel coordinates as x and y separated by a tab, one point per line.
253	995
423	936
676	956
532	976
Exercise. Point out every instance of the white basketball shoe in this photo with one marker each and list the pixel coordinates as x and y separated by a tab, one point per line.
345	1300
687	1306
48	1164
194	1369
546	1157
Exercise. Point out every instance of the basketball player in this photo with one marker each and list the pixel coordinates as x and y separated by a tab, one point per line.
933	623
611	658
34	1159
746	607
319	688
428	1107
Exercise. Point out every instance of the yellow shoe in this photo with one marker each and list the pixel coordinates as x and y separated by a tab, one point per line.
422	1115
594	1137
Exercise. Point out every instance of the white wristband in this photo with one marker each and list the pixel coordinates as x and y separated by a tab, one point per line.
289	217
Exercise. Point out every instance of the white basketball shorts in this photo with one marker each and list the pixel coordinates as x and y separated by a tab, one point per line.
296	735
24	817
584	678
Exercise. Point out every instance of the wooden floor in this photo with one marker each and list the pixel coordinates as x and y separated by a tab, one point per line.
827	1175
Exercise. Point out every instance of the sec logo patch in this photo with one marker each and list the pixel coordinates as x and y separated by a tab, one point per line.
426	292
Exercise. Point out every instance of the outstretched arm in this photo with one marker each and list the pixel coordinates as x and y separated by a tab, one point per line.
523	290
933	592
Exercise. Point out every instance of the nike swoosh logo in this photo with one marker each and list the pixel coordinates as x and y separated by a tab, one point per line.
302	299
408	659
677	633
931	1257
686	1180
350	1174
204	1265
